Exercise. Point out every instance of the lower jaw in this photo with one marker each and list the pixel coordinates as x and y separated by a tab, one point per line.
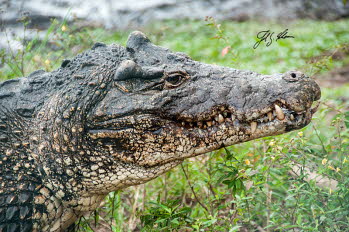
240	137
216	137
226	134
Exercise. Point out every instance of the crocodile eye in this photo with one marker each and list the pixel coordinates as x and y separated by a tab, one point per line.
174	79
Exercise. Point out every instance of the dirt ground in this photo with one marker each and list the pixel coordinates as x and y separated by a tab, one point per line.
335	78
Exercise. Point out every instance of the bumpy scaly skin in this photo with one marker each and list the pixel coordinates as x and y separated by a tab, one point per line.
114	117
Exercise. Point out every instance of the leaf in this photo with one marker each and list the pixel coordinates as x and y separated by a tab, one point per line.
230	155
346	121
225	50
344	2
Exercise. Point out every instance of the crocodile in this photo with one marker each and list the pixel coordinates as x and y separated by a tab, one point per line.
117	116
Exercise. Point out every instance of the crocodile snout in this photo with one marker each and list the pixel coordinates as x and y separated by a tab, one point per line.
307	82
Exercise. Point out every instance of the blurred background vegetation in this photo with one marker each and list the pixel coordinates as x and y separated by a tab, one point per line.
298	181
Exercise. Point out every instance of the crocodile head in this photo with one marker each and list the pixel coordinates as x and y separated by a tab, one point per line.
165	107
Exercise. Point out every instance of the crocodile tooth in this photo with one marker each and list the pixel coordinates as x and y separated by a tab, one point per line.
201	133
199	124
279	113
225	114
253	127
299	118
292	117
216	118
191	124
183	123
270	116
233	117
265	119
220	118
209	123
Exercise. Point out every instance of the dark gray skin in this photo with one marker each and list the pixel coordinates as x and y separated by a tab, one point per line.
113	117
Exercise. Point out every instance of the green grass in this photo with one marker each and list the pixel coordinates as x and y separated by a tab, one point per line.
196	39
248	185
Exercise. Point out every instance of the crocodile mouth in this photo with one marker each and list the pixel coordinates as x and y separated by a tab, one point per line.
219	117
264	120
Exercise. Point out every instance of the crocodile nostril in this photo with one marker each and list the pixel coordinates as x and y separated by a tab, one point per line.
292	76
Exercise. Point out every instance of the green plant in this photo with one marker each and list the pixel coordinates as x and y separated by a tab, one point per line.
45	50
166	216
